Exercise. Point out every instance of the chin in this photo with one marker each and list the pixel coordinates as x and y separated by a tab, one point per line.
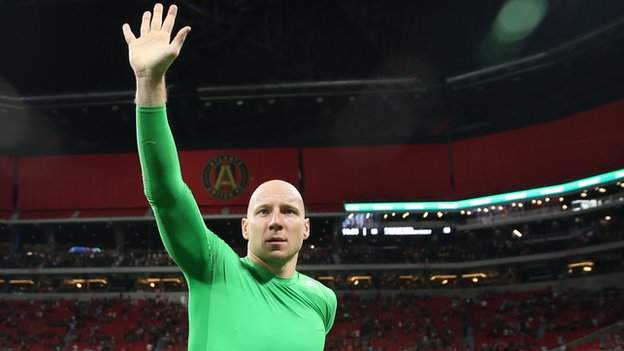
279	256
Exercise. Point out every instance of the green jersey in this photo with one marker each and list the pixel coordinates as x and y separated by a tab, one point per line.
234	303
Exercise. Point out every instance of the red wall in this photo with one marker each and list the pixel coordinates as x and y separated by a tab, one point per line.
80	182
114	181
578	146
392	173
581	145
7	172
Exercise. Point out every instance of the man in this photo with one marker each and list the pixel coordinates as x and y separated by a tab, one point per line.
259	302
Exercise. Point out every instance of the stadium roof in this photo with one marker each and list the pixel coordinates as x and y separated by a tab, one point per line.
420	72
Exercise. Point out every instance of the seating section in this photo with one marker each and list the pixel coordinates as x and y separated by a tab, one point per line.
94	244
492	321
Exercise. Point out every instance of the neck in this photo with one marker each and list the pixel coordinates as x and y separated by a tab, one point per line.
280	269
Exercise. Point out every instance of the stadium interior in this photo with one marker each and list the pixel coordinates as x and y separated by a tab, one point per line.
462	166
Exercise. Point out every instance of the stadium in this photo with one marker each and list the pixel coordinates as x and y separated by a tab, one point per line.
462	168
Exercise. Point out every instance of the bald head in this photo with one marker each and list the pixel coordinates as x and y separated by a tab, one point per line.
275	226
275	190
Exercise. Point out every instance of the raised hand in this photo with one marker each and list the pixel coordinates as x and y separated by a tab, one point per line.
153	52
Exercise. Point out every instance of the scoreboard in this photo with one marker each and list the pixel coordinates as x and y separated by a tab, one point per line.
365	225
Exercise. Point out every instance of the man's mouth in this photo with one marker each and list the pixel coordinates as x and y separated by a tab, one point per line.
276	240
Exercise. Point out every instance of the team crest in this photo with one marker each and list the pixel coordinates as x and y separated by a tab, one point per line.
225	177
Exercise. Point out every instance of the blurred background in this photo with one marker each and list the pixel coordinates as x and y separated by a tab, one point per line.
462	165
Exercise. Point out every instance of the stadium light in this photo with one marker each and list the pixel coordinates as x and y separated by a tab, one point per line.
21	282
581	264
473	275
517	19
442	277
355	280
471	203
517	233
325	278
359	277
98	281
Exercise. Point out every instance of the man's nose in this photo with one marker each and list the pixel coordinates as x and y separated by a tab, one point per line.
276	221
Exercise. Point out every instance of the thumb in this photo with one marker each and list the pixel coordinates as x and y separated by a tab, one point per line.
179	39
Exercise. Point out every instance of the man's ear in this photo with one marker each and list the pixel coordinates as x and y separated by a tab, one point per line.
306	232
245	228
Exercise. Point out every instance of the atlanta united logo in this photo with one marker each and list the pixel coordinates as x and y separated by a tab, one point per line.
225	177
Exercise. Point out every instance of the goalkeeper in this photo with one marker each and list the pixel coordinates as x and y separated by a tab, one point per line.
258	302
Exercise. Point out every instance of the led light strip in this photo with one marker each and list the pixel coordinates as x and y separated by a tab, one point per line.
552	190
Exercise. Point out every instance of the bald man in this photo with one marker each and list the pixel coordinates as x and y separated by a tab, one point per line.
258	302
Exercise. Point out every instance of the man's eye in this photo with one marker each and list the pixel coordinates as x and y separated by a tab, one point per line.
263	211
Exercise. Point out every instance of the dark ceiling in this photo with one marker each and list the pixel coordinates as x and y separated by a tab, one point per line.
270	73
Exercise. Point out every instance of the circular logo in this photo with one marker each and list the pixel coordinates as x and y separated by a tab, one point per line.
225	177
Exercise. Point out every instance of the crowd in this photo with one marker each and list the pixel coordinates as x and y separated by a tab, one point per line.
612	341
551	316
470	246
95	324
510	321
534	238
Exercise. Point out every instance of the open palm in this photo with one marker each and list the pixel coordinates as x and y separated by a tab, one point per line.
152	52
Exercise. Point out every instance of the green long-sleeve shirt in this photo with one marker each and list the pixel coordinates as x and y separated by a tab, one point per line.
234	303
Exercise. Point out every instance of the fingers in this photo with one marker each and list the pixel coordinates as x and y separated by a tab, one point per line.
179	39
157	17
128	35
154	22
170	19
145	22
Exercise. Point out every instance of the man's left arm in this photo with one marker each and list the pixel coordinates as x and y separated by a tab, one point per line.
331	305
